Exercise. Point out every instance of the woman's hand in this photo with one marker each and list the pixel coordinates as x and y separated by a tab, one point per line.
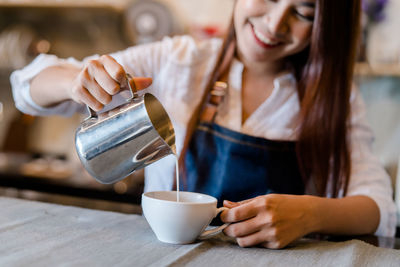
272	221
99	80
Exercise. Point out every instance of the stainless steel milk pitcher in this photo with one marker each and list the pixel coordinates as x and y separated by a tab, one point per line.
113	144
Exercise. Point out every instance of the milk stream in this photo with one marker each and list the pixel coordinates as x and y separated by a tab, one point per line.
177	178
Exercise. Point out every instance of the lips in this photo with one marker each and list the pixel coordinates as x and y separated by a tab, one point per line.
264	41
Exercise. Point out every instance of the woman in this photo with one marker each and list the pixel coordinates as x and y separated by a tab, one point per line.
266	119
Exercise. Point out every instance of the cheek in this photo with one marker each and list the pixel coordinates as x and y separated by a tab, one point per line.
302	36
244	9
236	14
249	4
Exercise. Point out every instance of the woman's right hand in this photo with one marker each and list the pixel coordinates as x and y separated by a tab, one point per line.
99	80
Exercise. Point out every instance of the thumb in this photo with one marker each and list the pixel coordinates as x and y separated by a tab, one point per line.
140	82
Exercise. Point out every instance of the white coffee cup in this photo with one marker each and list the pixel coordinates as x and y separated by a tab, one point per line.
180	222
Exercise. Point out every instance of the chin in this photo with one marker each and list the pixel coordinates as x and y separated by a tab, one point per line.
261	58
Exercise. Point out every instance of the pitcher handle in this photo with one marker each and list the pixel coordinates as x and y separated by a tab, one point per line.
132	89
217	230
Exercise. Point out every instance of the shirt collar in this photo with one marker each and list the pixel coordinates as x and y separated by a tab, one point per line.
285	80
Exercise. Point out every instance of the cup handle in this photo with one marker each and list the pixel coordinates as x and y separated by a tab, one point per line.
209	233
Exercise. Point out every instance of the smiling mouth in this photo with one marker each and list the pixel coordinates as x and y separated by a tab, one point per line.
263	40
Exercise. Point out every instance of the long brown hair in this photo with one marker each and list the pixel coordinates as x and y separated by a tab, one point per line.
324	73
324	90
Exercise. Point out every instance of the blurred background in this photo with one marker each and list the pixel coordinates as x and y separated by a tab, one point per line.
37	156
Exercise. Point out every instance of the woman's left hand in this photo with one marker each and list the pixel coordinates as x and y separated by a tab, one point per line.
272	220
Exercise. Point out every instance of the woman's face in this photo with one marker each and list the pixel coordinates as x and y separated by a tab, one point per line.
270	30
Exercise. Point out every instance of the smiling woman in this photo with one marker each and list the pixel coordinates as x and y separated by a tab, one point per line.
269	31
262	118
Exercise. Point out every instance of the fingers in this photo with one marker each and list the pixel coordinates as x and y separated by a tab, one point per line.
230	204
254	232
251	240
239	213
244	228
100	79
81	95
99	93
114	69
98	73
117	73
89	92
264	238
246	200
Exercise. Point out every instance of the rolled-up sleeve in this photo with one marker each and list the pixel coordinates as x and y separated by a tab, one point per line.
20	83
368	176
143	60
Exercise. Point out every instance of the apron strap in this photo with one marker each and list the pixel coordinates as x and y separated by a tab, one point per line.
215	97
219	89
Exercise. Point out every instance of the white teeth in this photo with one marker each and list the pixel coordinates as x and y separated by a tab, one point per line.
264	38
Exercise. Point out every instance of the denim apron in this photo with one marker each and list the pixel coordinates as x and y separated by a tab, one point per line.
233	166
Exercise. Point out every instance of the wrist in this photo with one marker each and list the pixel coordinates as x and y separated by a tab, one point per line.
53	85
69	80
314	214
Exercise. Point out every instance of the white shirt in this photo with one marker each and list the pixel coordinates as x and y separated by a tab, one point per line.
180	68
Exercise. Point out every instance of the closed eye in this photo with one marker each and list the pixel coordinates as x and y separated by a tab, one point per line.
304	17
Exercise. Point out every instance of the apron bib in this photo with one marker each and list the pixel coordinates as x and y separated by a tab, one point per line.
233	166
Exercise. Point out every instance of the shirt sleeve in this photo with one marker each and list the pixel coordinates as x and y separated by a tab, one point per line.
169	62
148	60
20	83
143	60
368	176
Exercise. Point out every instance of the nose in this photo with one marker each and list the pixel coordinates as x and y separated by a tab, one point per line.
278	20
